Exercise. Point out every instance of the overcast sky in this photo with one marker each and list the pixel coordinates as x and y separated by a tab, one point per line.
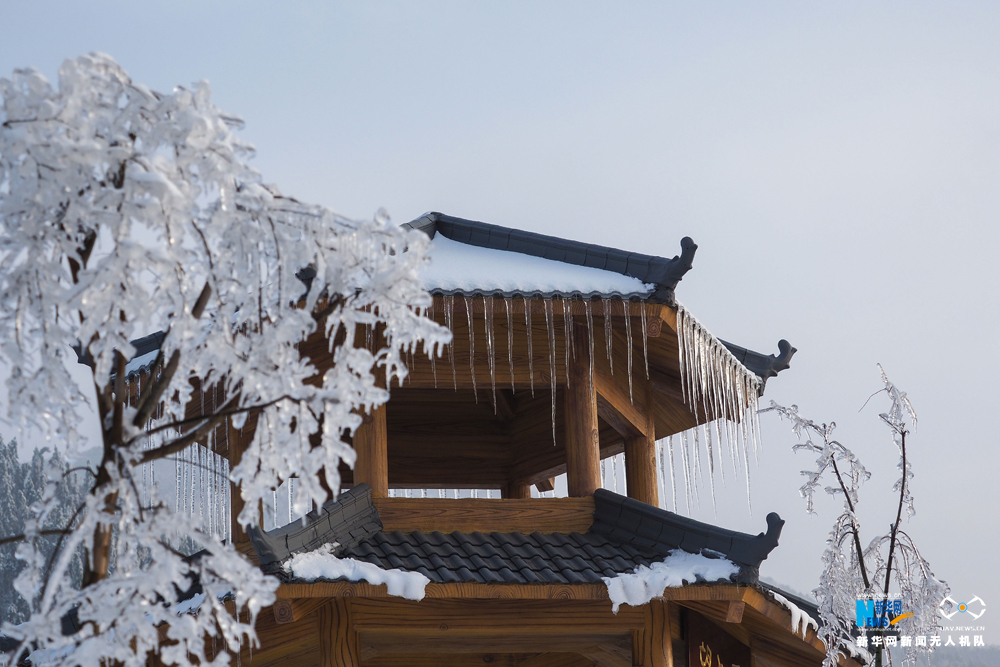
837	165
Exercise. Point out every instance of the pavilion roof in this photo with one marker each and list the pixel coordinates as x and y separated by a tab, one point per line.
625	534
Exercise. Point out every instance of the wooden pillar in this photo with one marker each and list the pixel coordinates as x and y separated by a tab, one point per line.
516	490
583	456
338	642
640	459
371	438
371	446
653	646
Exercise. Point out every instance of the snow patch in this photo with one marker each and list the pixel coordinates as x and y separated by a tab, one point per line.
322	564
676	570
801	621
459	267
139	362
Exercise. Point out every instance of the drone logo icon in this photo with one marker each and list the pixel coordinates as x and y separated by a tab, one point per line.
962	607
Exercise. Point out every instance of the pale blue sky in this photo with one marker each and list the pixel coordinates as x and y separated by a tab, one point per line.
837	164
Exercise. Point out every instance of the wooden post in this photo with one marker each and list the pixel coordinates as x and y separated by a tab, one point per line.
657	641
640	459
371	446
338	642
516	490
583	456
371	438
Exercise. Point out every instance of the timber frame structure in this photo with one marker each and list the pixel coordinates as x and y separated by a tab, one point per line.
523	394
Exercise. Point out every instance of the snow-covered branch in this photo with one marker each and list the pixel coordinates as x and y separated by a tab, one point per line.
124	212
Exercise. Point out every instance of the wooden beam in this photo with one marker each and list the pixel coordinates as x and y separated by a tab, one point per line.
735	612
467	515
519	659
583	457
624	410
337	637
387	642
461	591
288	610
500	618
611	654
640	458
371	446
548	484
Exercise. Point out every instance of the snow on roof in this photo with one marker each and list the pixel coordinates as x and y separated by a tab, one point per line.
140	362
322	564
677	569
801	620
459	267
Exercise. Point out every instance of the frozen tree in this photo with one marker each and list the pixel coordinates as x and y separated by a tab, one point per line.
124	211
891	565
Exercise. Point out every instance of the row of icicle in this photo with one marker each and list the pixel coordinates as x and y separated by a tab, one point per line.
715	386
201	475
565	311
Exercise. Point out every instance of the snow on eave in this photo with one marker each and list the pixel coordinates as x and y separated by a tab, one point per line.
456	267
323	564
678	569
801	621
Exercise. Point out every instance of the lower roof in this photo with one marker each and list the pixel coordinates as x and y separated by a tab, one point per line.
625	534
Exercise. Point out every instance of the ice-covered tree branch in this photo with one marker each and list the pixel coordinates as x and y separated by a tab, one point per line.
891	564
123	212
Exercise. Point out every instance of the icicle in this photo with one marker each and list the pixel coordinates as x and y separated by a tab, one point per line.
645	336
552	362
434	370
567	310
608	332
491	346
686	465
472	346
274	508
604	477
590	337
177	484
201	482
291	500
673	479
510	341
531	356
626	307
711	467
434	350
409	362
661	485
449	322
614	472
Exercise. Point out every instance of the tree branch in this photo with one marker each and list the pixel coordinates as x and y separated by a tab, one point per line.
854	524
21	537
149	401
189	437
221	413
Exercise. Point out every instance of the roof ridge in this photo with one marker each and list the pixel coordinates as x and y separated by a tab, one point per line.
660	271
636	522
347	520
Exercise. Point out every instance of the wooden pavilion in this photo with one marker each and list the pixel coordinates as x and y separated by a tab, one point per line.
563	354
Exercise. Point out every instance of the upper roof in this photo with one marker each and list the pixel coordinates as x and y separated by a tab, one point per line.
503	269
625	534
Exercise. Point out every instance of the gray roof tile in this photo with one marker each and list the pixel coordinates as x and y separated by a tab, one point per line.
626	533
